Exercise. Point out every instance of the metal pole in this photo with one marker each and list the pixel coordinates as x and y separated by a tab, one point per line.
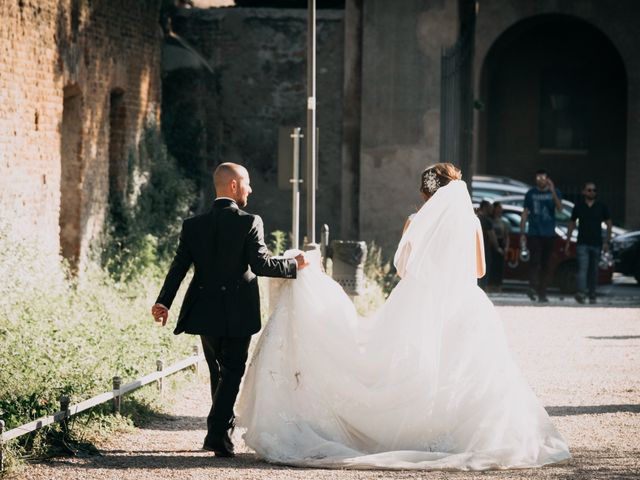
311	122
196	353
64	407
324	244
117	399
295	181
1	446
159	368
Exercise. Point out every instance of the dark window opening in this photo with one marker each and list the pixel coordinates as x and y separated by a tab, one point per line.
564	111
71	176
118	171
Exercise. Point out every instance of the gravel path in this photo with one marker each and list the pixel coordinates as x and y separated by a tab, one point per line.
584	364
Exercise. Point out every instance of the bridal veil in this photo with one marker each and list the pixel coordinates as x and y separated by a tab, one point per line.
427	382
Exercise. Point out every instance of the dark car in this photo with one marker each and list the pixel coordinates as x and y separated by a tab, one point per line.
563	268
626	254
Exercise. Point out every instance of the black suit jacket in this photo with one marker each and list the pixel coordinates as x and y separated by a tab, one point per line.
226	247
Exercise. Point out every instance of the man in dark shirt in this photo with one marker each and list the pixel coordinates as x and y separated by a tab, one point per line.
540	205
589	214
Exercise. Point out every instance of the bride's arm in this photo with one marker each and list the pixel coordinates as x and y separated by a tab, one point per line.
401	257
406	225
481	268
401	260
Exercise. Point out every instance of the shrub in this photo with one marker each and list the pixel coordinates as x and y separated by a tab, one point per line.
379	269
143	226
277	242
62	336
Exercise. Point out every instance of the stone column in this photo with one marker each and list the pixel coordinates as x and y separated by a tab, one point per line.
400	127
632	174
352	105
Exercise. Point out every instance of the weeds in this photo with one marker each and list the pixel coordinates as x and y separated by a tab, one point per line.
61	336
64	336
379	270
143	226
277	242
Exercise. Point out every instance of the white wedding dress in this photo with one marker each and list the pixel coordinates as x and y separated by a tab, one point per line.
427	382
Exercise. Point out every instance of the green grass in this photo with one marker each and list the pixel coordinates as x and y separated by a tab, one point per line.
62	336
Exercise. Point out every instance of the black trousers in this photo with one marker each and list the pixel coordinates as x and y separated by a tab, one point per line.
226	358
488	258
495	269
541	249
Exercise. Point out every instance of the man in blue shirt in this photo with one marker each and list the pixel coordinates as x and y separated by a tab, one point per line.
540	204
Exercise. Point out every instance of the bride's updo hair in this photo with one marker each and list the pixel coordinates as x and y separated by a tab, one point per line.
437	176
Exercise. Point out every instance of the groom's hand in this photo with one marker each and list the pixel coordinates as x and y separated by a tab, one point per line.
301	261
160	313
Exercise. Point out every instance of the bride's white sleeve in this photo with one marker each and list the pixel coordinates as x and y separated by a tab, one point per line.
401	258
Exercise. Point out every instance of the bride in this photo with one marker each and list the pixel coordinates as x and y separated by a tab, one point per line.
427	382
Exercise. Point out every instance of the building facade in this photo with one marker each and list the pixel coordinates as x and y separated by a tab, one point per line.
554	85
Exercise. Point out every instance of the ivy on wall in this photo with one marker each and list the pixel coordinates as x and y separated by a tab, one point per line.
143	227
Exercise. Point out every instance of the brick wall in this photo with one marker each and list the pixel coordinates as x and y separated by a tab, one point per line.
61	63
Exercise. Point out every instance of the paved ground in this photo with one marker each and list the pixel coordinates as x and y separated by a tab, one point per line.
584	364
624	291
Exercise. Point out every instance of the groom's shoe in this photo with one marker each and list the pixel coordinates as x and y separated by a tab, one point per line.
221	446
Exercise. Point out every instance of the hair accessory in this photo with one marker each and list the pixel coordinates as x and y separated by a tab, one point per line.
431	182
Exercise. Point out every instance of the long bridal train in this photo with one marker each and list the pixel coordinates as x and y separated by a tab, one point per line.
427	382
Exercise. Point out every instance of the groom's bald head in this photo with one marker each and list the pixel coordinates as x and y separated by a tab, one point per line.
226	172
232	180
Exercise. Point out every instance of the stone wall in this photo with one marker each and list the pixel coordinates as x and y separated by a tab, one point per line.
62	64
79	80
257	84
401	48
400	98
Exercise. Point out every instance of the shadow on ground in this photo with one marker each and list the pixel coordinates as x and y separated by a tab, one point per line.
616	337
585	464
176	423
563	411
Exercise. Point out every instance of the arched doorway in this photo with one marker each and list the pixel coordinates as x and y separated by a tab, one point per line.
118	167
71	175
553	90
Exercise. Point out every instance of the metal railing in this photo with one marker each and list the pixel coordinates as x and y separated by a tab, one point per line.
116	394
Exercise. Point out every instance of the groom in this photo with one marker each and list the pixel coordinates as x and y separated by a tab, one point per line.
222	305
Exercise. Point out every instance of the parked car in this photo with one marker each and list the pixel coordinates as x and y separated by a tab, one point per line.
563	217
626	254
500	179
564	266
490	187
